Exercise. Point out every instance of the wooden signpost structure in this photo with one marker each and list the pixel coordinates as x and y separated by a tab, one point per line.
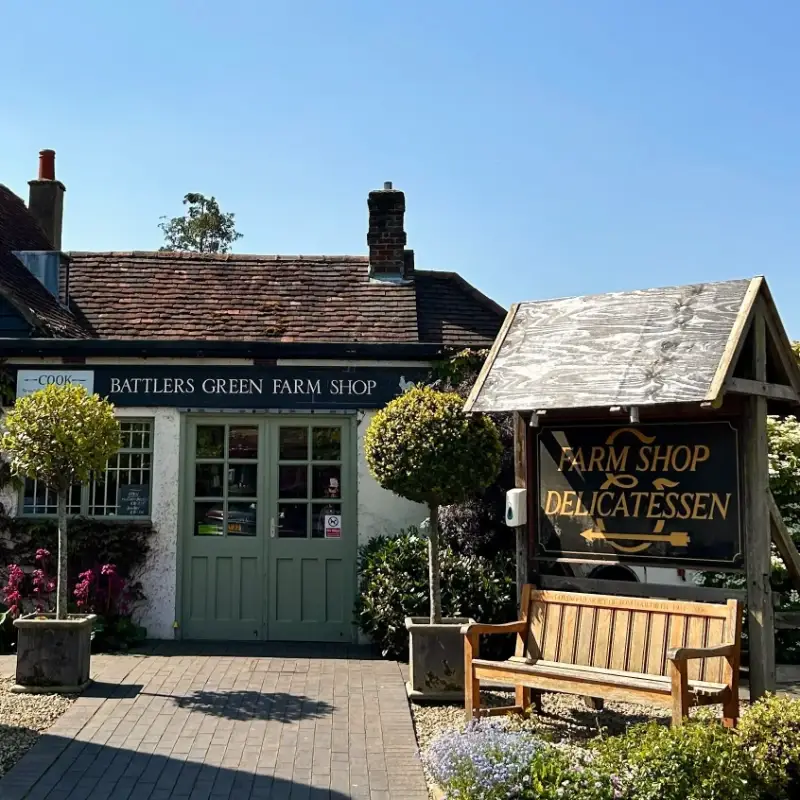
641	438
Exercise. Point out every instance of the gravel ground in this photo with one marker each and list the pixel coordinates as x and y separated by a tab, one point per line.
22	718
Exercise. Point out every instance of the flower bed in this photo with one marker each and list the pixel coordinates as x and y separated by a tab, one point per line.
496	759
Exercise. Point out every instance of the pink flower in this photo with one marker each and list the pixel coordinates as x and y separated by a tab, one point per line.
42	554
108	569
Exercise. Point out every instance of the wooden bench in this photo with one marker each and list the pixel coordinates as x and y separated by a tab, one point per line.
656	652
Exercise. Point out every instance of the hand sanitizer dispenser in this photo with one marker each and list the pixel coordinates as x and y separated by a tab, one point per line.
516	507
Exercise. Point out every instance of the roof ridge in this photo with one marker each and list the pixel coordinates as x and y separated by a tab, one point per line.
187	255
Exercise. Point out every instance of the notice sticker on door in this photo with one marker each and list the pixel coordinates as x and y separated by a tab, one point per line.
333	526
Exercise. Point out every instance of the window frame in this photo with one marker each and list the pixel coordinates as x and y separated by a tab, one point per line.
86	488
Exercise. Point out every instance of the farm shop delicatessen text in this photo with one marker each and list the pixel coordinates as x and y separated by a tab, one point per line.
659	493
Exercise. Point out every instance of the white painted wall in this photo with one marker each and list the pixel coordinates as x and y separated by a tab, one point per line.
380	511
159	574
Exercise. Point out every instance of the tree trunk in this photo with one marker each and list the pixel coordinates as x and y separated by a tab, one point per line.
61	579
434	576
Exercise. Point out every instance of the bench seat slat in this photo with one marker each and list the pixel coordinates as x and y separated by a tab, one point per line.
636	680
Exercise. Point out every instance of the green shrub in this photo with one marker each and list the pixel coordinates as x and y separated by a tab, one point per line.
769	732
393	585
694	761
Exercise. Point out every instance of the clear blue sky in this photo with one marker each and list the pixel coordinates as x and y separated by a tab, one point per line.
545	148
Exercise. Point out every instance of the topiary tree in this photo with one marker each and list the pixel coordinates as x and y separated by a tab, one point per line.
423	447
59	436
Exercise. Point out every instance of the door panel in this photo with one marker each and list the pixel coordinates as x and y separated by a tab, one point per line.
312	532
224	572
269	529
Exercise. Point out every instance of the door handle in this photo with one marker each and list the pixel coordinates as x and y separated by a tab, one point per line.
272	527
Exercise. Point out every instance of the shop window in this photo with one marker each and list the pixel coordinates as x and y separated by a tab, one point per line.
121	490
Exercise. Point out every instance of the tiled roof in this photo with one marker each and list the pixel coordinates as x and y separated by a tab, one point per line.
167	295
19	231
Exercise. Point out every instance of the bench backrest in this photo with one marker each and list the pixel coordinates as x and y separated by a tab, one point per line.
626	633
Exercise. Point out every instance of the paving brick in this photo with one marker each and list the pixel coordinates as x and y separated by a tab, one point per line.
231	721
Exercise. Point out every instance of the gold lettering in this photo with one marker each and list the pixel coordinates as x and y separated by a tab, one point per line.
577	461
644	459
717	503
639	497
701	453
580	509
596	460
686	499
687	453
616	462
665	458
652	513
567	499
593	506
699	506
548	509
566	455
670	499
622	505
602	496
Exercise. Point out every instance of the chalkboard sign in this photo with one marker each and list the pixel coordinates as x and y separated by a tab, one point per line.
657	494
134	500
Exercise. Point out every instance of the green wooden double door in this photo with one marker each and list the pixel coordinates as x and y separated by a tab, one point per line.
268	529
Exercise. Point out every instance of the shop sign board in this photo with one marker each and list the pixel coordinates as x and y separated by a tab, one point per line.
646	493
251	387
32	380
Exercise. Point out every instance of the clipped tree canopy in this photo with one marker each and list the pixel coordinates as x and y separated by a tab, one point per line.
423	447
60	435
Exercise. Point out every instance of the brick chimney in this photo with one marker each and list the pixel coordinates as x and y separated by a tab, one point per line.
46	199
388	258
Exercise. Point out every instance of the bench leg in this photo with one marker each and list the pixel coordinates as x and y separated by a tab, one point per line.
472	686
522	697
679	675
595	703
730	712
536	701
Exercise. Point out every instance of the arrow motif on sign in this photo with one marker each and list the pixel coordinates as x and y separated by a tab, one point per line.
676	538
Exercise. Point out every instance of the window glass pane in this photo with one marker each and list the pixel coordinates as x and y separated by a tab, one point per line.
241	519
326	481
208	480
242	480
292	481
327	444
209	519
210	441
38	499
293	444
320	514
243	442
292	520
123	488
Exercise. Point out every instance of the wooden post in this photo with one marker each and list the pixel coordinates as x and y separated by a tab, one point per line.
760	614
521	482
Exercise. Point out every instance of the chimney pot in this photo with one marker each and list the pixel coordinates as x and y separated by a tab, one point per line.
46	198
387	186
47	165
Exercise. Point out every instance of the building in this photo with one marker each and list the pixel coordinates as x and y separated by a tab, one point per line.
244	384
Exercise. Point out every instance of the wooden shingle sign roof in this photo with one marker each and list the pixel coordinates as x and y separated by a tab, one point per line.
680	344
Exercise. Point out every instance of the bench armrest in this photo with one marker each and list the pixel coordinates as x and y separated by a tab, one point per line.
507	627
686	653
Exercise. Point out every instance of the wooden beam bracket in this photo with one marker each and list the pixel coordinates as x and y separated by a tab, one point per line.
773	391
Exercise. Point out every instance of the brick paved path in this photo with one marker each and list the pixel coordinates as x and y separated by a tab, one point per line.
249	722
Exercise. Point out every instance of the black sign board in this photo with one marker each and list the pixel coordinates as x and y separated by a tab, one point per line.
133	500
252	387
649	494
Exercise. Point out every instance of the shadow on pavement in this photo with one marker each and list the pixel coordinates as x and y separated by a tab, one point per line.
66	769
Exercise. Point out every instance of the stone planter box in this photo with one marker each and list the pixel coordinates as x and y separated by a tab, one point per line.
436	659
53	655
